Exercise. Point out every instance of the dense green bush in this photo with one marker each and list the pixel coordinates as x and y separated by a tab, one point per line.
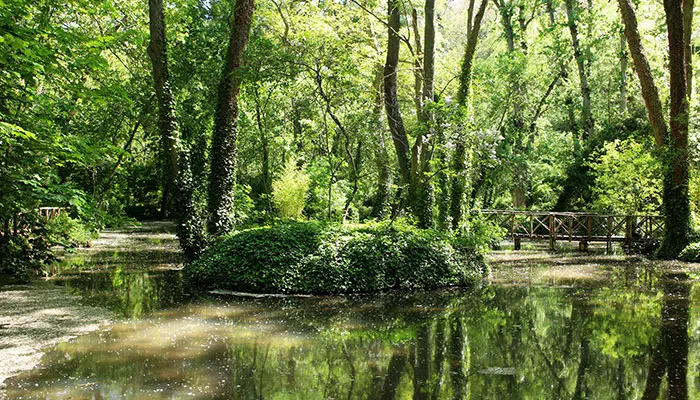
691	253
24	255
69	232
316	258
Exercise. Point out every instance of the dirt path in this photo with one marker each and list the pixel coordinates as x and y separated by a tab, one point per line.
38	316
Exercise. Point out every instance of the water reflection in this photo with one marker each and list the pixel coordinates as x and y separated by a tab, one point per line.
575	327
608	342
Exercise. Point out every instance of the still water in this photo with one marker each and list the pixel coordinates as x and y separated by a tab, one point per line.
607	329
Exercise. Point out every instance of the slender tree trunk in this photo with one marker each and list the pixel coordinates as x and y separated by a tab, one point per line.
568	101
519	187
127	148
676	194
572	11
459	163
384	174
265	179
421	191
391	100
298	129
417	65
166	106
688	6
223	149
623	75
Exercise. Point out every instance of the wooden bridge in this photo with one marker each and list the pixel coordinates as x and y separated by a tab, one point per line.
633	231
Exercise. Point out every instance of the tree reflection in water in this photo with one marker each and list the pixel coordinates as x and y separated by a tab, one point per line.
624	340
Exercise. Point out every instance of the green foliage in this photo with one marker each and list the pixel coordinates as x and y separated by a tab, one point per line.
691	253
69	232
289	191
481	234
311	257
25	255
627	178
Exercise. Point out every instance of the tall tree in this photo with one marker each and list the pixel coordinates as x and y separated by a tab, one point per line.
671	140
223	146
391	100
572	13
459	163
413	160
676	194
166	108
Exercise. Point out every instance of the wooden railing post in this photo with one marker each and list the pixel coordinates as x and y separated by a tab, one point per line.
552	233
628	233
608	234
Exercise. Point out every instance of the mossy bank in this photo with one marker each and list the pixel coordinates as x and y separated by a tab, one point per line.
307	257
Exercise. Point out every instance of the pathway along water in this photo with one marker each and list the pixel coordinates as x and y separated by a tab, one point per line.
544	326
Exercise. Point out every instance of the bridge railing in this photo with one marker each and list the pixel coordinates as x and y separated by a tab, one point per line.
583	227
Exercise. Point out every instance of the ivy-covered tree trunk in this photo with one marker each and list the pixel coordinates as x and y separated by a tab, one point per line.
421	191
223	146
391	100
166	109
673	147
676	195
459	160
179	185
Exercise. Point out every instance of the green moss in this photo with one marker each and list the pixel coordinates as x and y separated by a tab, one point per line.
316	258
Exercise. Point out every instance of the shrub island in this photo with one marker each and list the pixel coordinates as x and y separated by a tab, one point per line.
311	257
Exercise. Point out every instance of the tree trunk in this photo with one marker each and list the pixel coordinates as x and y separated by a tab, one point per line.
384	174
466	71
421	191
166	107
623	75
391	101
646	80
417	64
506	11
688	6
223	149
676	203
459	164
587	114
265	179
676	197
